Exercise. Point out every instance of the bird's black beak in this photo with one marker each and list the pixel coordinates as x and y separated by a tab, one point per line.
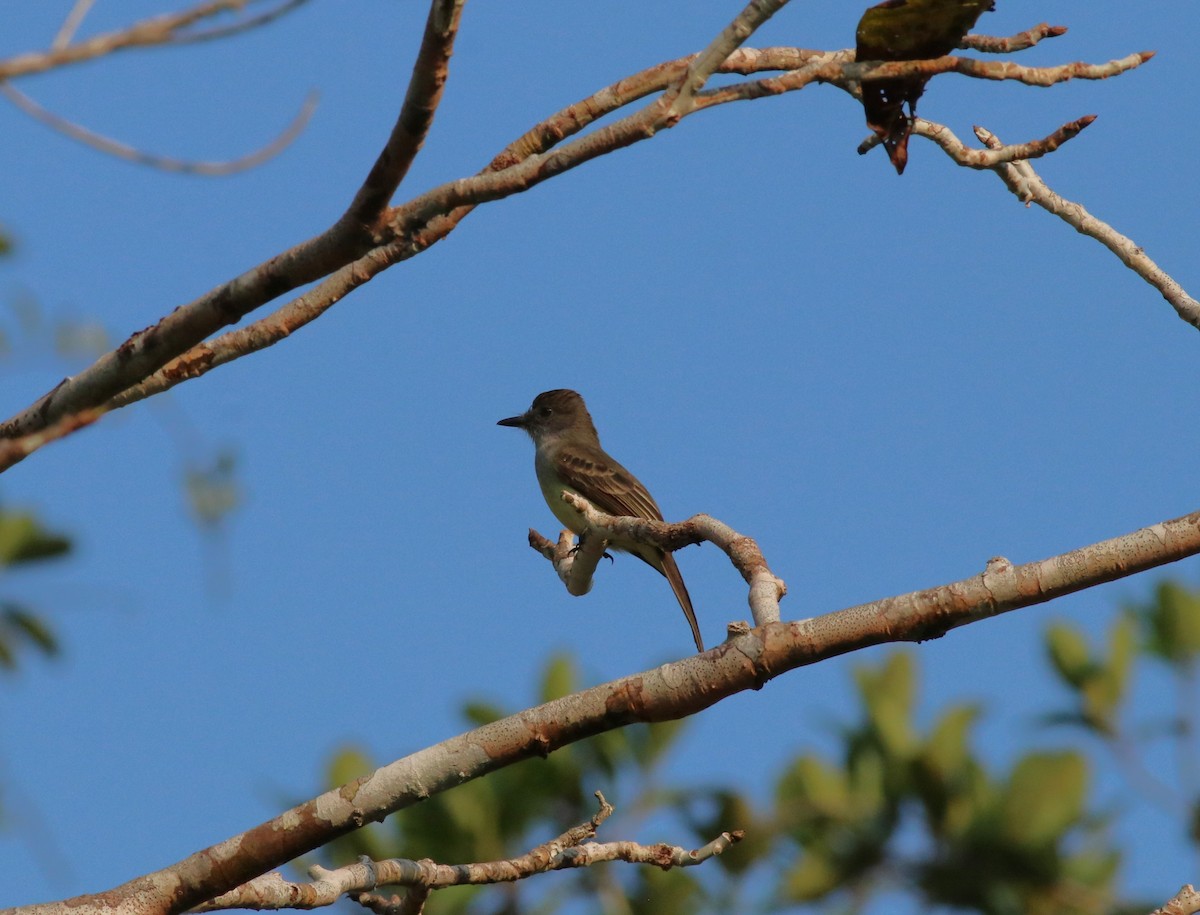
518	421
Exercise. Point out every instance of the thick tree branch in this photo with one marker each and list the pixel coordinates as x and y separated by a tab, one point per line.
429	75
670	691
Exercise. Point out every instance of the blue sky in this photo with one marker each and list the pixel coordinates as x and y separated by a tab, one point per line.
884	380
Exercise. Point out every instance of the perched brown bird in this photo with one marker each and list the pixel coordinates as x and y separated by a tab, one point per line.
568	457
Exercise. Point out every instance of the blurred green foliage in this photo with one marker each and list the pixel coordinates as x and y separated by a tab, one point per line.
24	540
898	807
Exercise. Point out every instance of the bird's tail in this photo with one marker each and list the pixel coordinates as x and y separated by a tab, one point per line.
671	571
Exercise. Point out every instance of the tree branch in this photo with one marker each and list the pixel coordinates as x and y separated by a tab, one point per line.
358	881
1027	185
988	44
353	250
575	566
991	158
671	691
164	163
156	30
1185	902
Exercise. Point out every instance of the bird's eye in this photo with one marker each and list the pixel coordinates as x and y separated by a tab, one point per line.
545	411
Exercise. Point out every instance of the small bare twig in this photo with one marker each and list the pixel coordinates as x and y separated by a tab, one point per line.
243	25
164	163
572	849
156	30
71	24
985	159
575	567
1027	185
988	44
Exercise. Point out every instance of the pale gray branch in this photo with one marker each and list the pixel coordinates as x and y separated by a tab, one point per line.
575	566
1027	185
1185	902
572	849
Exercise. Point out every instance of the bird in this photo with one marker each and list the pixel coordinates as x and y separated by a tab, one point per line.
568	458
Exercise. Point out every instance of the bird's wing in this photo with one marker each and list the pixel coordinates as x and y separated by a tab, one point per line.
607	484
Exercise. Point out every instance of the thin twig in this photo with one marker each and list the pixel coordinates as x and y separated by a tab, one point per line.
164	163
708	61
989	44
988	159
244	25
1027	185
71	24
156	30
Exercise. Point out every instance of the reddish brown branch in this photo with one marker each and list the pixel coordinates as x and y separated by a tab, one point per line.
429	75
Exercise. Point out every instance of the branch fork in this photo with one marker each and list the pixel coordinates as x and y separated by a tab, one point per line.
576	564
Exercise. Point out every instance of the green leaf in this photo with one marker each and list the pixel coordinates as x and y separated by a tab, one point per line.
480	713
560	678
813	877
650	743
1122	650
1044	798
1174	620
347	765
946	750
23	539
811	787
657	892
33	628
1068	651
213	491
887	691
